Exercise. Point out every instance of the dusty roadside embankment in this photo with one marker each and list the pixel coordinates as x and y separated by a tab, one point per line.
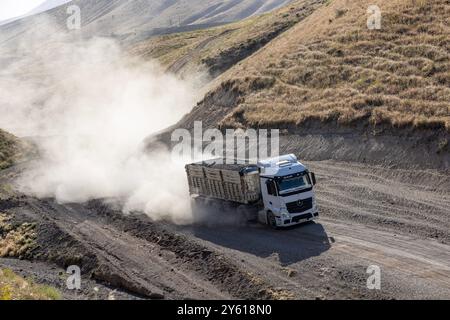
409	148
384	146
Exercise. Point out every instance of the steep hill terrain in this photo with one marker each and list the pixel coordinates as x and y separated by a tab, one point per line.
344	72
9	149
386	91
131	20
47	5
220	48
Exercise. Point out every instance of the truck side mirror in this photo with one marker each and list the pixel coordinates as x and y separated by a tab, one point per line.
313	178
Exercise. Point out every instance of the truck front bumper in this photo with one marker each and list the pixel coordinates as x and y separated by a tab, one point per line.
298	219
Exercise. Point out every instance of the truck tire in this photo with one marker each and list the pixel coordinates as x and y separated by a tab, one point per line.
271	221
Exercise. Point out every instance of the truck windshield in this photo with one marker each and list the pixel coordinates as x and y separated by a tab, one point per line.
292	183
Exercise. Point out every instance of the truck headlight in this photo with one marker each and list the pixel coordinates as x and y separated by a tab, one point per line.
285	214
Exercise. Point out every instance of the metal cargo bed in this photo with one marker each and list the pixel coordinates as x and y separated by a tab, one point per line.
231	182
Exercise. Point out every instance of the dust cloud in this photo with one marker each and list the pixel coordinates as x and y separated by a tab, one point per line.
89	106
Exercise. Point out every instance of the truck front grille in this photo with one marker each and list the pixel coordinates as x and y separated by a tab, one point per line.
300	206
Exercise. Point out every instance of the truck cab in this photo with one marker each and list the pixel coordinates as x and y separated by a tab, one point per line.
287	191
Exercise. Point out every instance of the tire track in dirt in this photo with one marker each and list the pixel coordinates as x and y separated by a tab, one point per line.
293	259
378	197
178	65
126	261
426	259
310	265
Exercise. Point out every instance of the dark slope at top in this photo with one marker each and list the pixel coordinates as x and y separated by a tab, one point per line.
134	20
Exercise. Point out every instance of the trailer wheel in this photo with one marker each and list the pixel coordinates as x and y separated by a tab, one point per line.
271	221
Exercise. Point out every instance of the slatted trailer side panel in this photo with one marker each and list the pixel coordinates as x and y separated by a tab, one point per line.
236	183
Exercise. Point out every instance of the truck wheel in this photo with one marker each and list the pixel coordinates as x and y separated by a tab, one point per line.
271	221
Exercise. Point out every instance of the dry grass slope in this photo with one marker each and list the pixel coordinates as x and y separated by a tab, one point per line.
14	150
14	287
222	47
332	68
16	240
8	149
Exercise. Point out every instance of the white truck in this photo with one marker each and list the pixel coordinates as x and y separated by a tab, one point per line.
278	192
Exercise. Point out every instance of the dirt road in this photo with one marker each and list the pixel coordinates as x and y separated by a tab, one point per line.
329	260
179	64
395	219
